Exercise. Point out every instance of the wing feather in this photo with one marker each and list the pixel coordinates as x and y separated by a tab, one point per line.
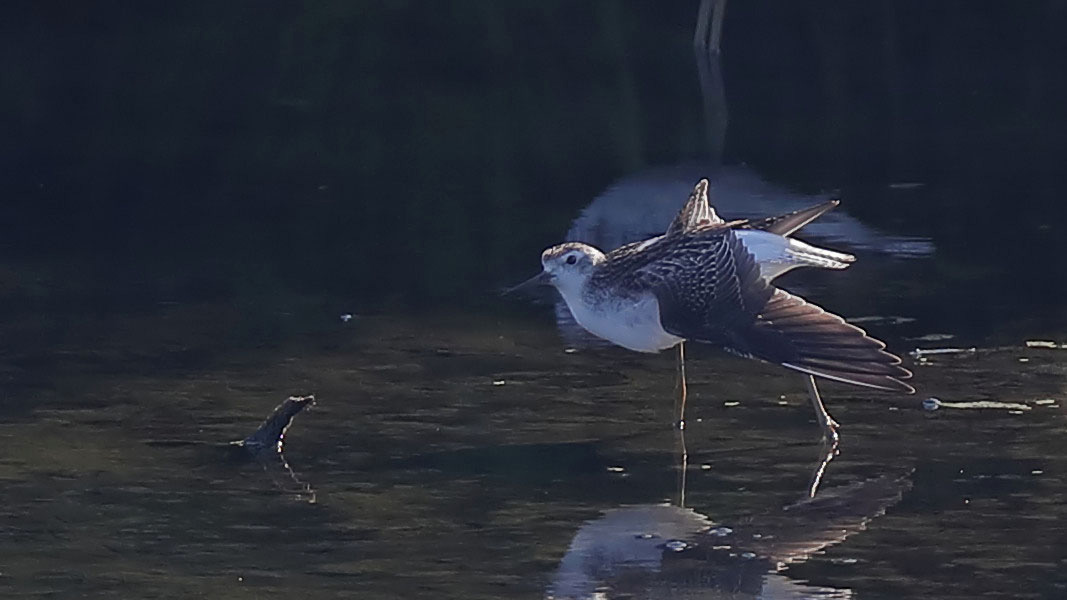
814	341
786	225
700	280
697	211
710	290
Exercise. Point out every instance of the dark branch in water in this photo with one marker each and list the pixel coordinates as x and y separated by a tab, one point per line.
271	434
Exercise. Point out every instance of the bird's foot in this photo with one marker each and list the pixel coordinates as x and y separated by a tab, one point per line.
829	431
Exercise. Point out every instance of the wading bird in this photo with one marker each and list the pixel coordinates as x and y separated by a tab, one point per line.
708	280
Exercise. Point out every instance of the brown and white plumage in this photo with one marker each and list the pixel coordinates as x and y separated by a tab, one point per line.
699	282
709	289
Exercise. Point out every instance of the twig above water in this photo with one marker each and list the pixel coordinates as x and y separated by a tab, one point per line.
271	434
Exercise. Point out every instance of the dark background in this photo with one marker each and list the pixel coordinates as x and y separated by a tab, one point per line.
192	193
402	155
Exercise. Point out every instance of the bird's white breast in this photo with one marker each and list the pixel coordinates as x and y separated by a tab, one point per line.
632	324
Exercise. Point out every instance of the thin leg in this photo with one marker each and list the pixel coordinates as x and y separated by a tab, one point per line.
684	456
681	387
826	422
829	451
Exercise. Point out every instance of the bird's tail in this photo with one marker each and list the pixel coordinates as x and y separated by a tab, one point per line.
813	256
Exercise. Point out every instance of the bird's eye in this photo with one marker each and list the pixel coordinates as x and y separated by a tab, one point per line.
572	259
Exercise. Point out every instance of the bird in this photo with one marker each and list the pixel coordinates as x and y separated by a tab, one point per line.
700	282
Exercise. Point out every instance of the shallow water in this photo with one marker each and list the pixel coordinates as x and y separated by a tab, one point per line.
197	195
459	456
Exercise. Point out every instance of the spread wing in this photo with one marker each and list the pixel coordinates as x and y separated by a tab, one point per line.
696	213
709	290
786	225
703	279
801	336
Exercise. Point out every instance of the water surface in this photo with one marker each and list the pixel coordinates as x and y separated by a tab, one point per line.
195	196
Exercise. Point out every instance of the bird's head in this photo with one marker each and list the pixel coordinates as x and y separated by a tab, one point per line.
566	267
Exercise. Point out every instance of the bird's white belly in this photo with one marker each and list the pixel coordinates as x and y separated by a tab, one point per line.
634	325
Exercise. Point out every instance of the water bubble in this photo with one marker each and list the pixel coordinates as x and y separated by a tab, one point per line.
932	337
921	352
676	545
721	531
931	404
748	555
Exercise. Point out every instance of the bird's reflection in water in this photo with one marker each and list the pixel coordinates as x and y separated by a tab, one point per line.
671	551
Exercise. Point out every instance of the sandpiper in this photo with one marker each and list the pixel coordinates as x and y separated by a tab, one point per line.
700	282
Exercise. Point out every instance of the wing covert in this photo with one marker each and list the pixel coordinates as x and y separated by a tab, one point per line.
696	213
704	281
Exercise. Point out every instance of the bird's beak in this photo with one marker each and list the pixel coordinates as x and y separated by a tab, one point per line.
542	278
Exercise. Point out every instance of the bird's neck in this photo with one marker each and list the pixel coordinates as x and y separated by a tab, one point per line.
573	292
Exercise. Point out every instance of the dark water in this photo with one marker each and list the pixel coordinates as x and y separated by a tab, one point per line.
195	194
